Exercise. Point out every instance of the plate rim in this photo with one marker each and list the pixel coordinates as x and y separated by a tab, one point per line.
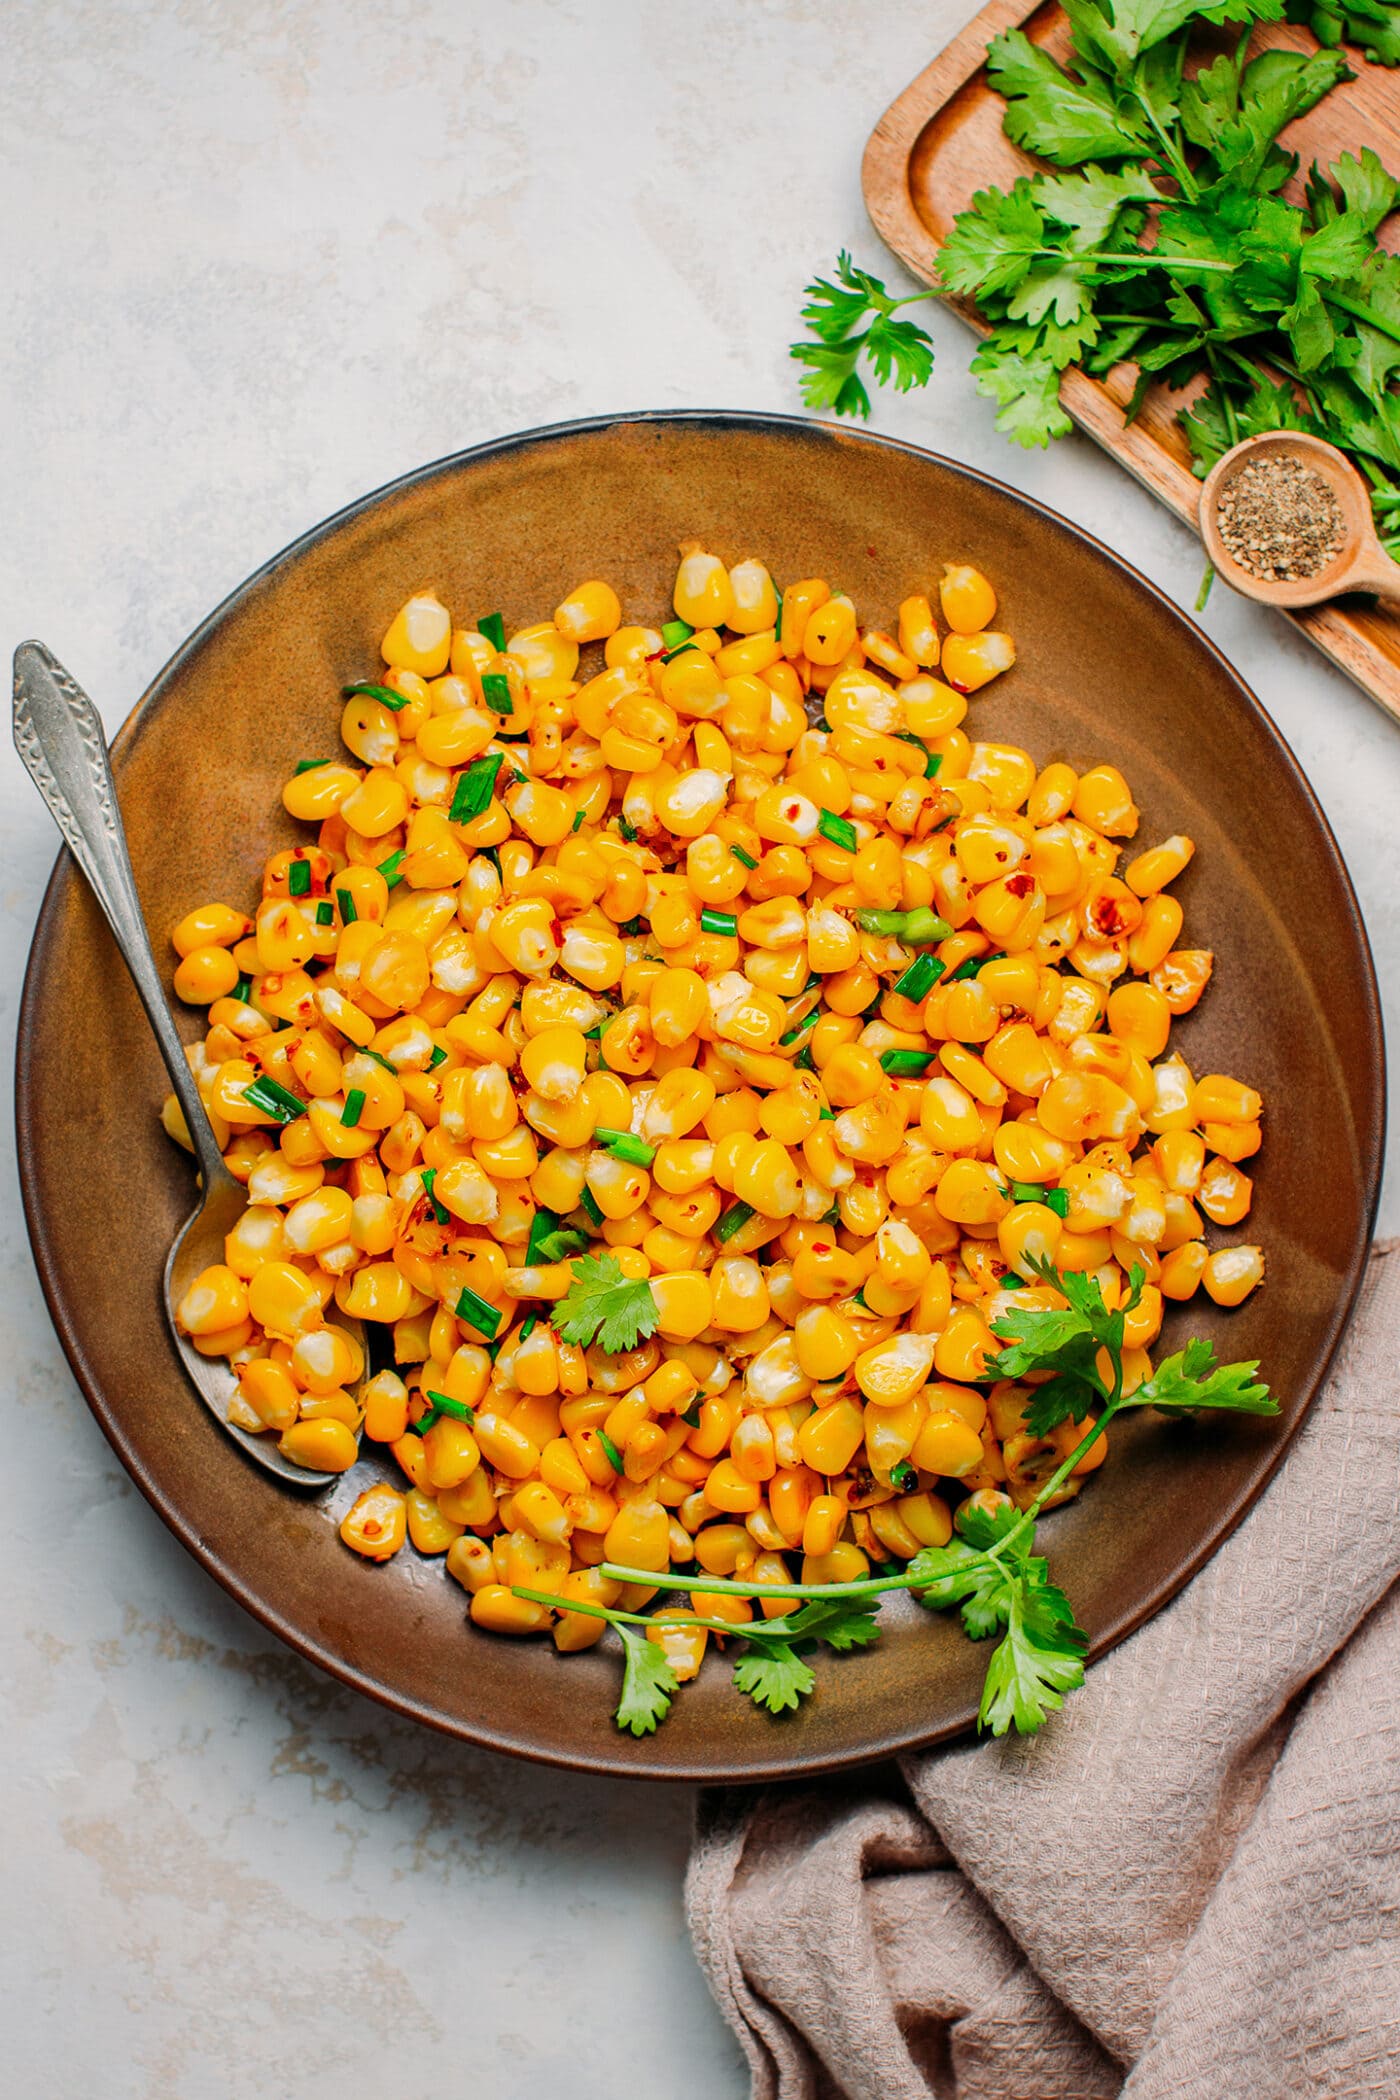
767	1766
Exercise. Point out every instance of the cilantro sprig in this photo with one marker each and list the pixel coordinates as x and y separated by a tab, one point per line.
853	321
605	1307
1157	236
989	1572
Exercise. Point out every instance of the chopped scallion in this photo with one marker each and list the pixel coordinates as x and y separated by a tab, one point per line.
494	629
274	1100
920	928
439	1057
692	1415
627	828
444	1404
614	1456
932	759
475	1312
348	913
354	1107
840	832
589	1203
474	789
920	977
905	1064
746	859
299	877
392	868
734	1220
803	1025
495	691
243	990
309	765
384	694
719	922
529	1327
970	968
623	1145
904	1477
380	1059
1058	1201
675	632
325	912
440	1210
577	824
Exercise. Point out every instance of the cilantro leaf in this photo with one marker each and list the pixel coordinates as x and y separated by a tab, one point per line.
834	310
1055	116
992	244
1368	191
830	379
1089	204
1192	1378
1067	1340
900	351
605	1307
1027	389
648	1683
842	1622
1266	407
1038	1660
960	1573
774	1676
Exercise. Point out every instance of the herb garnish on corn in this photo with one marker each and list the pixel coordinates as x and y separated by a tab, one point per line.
754	1150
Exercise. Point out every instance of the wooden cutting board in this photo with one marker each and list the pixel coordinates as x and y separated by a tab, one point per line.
942	141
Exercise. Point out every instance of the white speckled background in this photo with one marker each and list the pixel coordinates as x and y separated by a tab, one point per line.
259	258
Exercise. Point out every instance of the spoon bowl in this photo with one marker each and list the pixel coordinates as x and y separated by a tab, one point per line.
1361	564
58	734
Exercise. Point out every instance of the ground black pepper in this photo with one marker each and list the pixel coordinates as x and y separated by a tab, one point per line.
1280	520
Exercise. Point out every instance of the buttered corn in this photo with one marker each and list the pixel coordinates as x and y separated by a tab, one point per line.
827	1034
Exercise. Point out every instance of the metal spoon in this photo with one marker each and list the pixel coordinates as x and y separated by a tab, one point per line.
1361	564
59	736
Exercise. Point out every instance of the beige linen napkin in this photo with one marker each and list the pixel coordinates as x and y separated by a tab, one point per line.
1188	1885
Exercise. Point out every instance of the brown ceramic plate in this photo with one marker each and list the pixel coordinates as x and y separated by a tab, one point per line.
1108	670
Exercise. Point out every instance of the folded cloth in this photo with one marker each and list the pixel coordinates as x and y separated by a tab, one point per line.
1187	1885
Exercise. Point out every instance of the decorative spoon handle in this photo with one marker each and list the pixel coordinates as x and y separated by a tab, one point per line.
58	734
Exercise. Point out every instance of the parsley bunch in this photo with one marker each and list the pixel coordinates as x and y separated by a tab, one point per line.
1161	240
989	1572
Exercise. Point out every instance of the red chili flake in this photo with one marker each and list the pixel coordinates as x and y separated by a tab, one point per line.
1106	917
1019	885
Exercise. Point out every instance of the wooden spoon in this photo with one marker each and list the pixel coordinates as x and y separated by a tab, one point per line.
1361	564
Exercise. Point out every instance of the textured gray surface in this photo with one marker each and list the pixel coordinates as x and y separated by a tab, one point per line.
262	259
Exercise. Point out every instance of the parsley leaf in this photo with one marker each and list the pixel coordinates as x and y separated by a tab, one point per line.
605	1307
774	1676
648	1683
